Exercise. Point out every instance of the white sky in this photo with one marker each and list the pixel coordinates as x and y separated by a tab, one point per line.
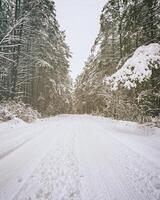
80	19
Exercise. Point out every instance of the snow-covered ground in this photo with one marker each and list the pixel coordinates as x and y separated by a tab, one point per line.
79	157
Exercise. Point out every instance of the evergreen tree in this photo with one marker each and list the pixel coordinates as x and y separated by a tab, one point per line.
38	72
125	26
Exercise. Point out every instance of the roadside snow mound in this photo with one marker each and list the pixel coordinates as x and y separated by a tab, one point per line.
137	68
12	110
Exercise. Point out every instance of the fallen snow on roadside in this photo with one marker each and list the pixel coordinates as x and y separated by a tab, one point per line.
79	157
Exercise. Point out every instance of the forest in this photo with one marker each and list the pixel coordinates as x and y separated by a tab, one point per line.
120	79
34	58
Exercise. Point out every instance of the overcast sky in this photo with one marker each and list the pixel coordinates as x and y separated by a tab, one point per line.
80	19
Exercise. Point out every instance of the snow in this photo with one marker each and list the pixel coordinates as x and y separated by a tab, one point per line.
79	157
15	111
137	68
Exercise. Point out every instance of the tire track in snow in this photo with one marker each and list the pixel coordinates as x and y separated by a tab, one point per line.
19	165
57	176
16	141
124	173
80	159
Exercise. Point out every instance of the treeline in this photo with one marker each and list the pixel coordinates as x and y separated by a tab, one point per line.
125	25
34	58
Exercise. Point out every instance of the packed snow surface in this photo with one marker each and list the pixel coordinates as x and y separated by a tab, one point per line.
79	157
137	68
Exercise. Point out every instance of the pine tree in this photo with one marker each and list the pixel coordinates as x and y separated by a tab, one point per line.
38	70
125	26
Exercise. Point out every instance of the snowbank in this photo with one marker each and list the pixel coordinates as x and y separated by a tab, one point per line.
129	127
137	68
15	111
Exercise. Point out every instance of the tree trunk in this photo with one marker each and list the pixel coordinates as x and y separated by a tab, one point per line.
16	50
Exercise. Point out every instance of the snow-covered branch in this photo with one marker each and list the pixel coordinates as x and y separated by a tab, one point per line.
137	68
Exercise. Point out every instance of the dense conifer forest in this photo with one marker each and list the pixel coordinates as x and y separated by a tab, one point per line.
121	77
34	58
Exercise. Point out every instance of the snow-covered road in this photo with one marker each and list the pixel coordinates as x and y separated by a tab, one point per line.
73	157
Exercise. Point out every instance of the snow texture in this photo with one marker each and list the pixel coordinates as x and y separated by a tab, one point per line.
13	110
137	68
79	157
